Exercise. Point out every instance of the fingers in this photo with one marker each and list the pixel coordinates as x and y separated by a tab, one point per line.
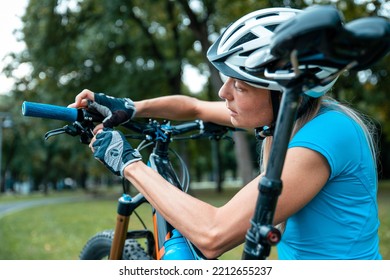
91	144
96	132
98	128
81	100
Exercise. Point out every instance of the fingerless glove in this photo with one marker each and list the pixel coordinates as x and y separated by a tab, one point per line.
115	110
113	150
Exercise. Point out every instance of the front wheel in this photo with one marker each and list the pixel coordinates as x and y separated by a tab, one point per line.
99	246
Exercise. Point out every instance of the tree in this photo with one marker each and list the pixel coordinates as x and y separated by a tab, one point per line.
90	45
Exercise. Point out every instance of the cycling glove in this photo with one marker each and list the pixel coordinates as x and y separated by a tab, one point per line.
113	150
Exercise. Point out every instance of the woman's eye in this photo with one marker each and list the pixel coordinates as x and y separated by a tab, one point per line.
237	87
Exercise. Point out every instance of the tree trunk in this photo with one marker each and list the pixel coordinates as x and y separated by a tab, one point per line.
216	162
243	157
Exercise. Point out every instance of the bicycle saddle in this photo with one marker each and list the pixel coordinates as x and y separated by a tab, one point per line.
320	37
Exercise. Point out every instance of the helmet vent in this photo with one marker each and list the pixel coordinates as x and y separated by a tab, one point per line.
246	38
266	15
231	33
271	27
246	54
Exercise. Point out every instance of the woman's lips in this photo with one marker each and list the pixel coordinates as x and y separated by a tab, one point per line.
232	112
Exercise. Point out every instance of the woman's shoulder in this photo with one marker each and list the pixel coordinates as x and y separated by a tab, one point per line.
332	113
333	120
331	130
335	135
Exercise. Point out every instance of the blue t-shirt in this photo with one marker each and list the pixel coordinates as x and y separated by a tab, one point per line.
341	222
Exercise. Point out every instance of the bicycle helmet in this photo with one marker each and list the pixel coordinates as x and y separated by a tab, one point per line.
249	39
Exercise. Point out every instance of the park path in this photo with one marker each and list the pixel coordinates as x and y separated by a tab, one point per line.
7	208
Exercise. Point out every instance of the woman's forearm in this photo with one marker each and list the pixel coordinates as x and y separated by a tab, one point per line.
170	107
169	201
180	107
213	230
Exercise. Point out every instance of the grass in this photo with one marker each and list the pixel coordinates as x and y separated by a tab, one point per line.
60	231
384	217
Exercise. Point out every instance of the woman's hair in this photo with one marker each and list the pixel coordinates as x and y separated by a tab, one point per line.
311	111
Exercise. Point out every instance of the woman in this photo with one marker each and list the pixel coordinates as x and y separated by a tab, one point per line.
328	202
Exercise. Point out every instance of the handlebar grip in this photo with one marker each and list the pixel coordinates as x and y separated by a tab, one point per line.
47	111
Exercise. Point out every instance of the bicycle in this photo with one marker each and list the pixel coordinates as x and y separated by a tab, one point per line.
122	243
315	36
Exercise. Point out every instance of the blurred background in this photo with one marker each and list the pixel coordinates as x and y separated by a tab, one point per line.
138	49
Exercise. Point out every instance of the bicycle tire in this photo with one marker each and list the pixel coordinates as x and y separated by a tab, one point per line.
98	248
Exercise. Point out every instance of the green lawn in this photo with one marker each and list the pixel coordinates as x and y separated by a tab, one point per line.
384	216
60	231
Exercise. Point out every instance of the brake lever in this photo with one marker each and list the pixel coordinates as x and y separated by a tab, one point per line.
68	129
85	132
54	132
74	129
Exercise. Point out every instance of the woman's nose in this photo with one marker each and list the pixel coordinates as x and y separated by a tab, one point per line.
225	90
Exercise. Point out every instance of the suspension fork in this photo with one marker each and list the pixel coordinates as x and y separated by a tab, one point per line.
126	206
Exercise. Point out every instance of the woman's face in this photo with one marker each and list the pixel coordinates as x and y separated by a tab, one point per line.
249	107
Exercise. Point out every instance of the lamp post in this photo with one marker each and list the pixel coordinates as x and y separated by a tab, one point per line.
5	122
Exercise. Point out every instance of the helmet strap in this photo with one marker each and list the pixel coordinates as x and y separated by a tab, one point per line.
265	131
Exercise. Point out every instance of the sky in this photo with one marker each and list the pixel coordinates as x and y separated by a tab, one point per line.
10	13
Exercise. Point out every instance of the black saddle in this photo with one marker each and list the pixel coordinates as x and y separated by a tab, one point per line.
320	37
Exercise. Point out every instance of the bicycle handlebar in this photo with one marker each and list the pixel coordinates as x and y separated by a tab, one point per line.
85	117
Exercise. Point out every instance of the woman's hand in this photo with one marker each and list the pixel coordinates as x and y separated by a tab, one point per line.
112	149
82	99
116	111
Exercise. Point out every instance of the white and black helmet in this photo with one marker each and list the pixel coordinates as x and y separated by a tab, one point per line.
249	35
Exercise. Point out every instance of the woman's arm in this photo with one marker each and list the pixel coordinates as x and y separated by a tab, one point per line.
180	107
172	107
211	229
215	230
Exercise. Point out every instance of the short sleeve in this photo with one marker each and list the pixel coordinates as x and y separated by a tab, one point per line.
333	135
